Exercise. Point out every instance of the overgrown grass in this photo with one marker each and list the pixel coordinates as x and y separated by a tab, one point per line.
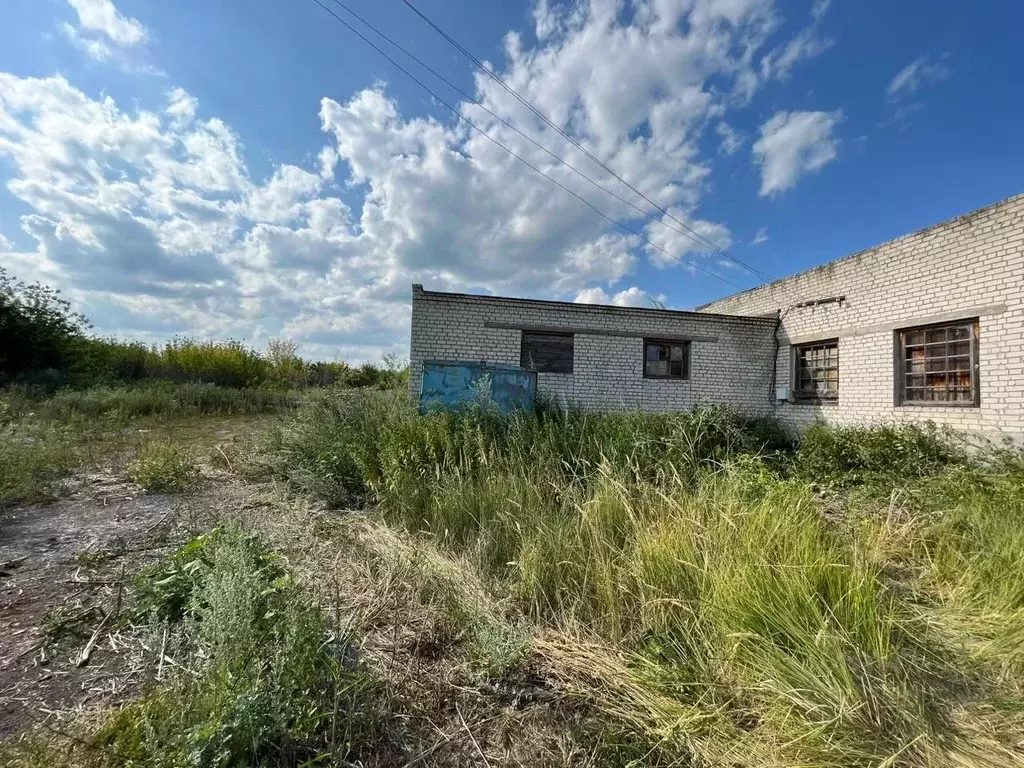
757	629
43	439
163	467
259	676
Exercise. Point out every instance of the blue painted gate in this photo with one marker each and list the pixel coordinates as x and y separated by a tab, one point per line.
455	384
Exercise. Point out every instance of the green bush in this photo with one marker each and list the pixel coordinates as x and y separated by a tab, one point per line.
38	332
268	681
164	468
844	456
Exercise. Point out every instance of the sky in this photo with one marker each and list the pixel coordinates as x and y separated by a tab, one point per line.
254	170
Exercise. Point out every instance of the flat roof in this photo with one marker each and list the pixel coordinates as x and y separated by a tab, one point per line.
915	233
693	314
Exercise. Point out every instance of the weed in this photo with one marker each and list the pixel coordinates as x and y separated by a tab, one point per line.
270	682
164	468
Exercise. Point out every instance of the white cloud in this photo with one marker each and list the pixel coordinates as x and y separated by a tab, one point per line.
732	139
92	47
154	224
916	75
760	237
819	9
102	16
181	106
793	144
630	297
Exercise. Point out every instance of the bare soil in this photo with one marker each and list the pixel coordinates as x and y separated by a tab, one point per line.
63	568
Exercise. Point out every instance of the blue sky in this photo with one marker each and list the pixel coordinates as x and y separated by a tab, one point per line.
254	170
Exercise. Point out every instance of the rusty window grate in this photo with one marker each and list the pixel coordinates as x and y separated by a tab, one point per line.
816	372
666	359
938	365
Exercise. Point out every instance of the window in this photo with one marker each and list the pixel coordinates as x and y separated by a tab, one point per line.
666	359
546	352
938	364
816	372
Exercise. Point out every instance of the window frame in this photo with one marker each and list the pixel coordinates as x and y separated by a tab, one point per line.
684	376
806	397
572	351
974	367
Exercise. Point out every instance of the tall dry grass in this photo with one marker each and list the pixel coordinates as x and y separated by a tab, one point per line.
736	622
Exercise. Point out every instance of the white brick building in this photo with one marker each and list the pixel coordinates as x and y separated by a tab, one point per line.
959	279
925	327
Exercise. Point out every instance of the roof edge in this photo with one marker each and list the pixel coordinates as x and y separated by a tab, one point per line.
914	233
419	290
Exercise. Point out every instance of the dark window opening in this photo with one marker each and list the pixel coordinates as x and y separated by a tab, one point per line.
938	365
816	373
666	359
546	352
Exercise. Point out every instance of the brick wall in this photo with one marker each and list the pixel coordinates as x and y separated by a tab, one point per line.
729	361
970	267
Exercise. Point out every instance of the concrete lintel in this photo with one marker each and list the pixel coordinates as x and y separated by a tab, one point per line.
600	332
988	310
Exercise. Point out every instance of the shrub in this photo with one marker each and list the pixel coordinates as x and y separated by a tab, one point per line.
269	683
38	332
164	468
844	456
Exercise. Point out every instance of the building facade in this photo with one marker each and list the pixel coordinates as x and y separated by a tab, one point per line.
927	327
600	357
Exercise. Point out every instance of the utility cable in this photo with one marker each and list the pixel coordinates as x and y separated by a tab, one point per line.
525	162
526	103
469	97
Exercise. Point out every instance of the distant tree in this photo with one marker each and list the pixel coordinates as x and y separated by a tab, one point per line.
38	329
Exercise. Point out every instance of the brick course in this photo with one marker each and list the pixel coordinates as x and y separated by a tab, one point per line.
970	267
607	370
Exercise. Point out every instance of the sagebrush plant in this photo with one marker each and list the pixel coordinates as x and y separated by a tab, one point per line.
163	467
269	682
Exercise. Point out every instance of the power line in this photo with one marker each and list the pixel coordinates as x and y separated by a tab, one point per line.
490	73
469	97
525	162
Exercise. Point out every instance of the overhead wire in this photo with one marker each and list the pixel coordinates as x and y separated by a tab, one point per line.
525	162
469	97
710	244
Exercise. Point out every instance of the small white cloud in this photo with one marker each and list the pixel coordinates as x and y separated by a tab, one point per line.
631	297
794	144
732	139
181	106
819	9
102	16
94	48
760	237
916	75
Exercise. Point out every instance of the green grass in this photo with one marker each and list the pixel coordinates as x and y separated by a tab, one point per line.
259	676
754	627
44	439
163	467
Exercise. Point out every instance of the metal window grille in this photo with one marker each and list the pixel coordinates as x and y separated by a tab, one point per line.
816	374
666	359
939	365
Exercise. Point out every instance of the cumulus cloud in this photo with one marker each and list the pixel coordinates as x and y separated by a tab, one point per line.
916	75
630	297
154	222
794	144
103	17
760	237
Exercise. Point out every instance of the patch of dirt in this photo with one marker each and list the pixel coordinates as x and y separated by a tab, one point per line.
63	568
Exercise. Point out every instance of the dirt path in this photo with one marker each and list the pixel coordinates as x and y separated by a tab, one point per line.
62	568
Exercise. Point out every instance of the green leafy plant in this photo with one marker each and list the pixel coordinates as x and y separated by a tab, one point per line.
164	468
